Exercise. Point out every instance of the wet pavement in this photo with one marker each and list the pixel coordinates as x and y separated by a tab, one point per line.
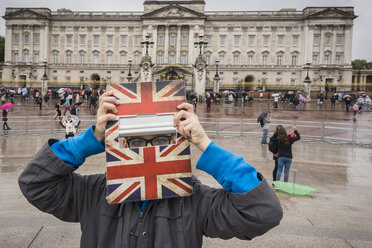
337	215
309	121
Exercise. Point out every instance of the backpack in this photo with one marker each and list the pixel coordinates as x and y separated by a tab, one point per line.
356	107
272	147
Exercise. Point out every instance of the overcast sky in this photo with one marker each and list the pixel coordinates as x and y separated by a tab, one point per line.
362	36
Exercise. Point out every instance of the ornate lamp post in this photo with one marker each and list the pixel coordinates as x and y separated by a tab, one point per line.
216	78
146	43
129	77
201	43
307	81
44	79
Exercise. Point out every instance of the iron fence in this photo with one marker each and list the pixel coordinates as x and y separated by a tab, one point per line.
335	132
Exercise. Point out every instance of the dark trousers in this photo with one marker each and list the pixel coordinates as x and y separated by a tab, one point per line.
275	171
5	124
69	135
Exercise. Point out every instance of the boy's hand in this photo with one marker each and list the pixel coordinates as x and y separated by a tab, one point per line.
106	103
188	125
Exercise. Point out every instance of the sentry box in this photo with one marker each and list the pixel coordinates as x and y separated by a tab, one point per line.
145	156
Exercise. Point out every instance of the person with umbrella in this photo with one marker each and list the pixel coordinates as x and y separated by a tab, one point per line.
264	120
347	99
5	107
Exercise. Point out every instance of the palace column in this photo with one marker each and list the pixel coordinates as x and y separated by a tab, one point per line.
166	45
8	43
178	45
191	52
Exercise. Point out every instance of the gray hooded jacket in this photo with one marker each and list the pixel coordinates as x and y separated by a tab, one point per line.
53	187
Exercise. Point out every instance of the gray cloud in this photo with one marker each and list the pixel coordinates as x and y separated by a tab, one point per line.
362	38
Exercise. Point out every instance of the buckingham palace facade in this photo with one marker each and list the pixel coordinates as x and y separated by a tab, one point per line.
254	49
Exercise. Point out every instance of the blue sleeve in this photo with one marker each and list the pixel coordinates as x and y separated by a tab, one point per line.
230	170
73	151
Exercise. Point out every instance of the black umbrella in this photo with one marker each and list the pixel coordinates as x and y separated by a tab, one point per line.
262	116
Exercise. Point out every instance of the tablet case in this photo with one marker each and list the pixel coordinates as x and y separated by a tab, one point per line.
146	173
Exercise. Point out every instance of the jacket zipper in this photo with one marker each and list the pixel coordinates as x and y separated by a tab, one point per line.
139	224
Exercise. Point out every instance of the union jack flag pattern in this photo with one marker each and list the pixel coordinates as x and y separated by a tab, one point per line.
145	173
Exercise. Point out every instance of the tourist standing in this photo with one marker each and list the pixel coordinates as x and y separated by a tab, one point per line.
333	102
284	144
209	102
58	107
355	110
265	128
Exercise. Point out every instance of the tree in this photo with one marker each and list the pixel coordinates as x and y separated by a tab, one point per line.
2	48
359	64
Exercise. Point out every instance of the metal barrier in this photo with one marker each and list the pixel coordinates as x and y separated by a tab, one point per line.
335	132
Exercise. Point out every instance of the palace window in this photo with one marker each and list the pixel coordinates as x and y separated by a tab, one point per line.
109	39
250	59
236	59
279	60
316	40
183	59
236	40
315	59
160	59
295	40
161	40
36	58
27	38
207	59
251	40
328	39
338	59
16	57
338	39
171	59
184	40
172	40
137	40
82	39
68	58
95	58
124	40
266	40
26	57
96	39
16	39
280	40
69	39
294	60
222	40
209	41
326	59
82	58
122	59
55	58
109	59
136	59
55	39
222	59
264	59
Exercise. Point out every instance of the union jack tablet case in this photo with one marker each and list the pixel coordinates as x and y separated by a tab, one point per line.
146	111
